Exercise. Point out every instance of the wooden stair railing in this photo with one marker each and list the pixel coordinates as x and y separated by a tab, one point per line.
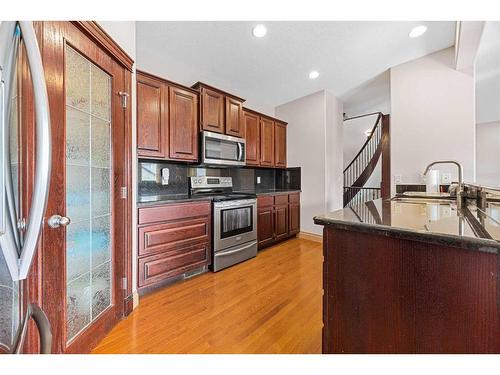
359	170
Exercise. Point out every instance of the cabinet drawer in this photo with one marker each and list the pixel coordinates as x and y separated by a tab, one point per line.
265	200
294	198
171	212
160	267
170	236
281	199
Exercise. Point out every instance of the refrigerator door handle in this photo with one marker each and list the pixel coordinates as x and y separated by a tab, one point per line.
43	149
9	71
8	243
3	215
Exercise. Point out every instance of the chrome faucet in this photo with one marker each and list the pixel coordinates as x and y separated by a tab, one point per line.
460	189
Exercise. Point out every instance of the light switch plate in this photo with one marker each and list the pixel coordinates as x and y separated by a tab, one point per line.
258	179
397	178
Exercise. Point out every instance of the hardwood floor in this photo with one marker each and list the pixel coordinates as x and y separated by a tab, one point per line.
269	304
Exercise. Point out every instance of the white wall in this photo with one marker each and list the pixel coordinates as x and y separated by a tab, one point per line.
124	33
488	154
432	117
314	138
373	95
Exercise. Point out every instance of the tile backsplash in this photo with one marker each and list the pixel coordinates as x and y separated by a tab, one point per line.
160	178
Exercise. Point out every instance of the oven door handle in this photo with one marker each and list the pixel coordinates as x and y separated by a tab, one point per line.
224	253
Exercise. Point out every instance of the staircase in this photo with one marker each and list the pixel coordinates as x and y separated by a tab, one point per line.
359	170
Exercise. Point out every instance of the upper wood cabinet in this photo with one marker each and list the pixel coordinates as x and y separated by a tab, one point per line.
279	144
252	137
234	117
167	120
152	118
212	110
220	111
183	105
266	142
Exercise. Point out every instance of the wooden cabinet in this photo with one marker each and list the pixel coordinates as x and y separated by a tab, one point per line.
265	225
278	217
212	110
294	213
220	111
152	118
167	120
173	239
252	137
183	124
281	221
266	142
234	117
279	144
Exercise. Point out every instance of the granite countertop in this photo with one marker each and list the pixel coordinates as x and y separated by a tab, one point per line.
269	191
428	220
152	200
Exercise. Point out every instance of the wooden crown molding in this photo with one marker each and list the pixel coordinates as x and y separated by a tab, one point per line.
101	37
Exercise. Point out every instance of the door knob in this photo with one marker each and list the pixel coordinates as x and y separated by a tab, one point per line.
56	221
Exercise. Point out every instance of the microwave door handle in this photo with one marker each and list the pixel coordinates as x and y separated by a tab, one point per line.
240	151
43	149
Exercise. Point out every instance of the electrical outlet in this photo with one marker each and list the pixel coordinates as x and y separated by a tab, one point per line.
165	175
258	179
397	178
446	178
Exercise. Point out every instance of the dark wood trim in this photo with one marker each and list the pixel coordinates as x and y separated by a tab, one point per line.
386	157
129	305
198	85
128	163
93	30
166	81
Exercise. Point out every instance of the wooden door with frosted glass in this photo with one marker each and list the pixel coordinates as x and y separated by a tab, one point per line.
83	262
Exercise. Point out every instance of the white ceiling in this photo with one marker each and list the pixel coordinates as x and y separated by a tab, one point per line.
273	70
488	74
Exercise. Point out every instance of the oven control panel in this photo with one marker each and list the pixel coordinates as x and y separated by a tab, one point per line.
207	182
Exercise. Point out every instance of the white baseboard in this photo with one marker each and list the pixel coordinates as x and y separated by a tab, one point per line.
310	236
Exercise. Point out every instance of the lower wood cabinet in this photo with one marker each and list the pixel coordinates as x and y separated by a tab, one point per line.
173	239
278	217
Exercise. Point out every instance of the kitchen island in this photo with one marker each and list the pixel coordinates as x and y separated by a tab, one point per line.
411	275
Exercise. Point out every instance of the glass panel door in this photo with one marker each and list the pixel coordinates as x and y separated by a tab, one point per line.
88	192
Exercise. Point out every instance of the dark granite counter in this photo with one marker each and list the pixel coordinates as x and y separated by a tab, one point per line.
270	191
153	200
428	220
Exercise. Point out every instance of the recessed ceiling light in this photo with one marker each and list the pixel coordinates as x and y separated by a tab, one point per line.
417	31
259	31
314	74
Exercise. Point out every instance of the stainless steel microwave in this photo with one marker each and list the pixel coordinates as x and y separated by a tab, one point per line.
221	149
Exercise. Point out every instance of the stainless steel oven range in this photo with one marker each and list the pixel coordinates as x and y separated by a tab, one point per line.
234	238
